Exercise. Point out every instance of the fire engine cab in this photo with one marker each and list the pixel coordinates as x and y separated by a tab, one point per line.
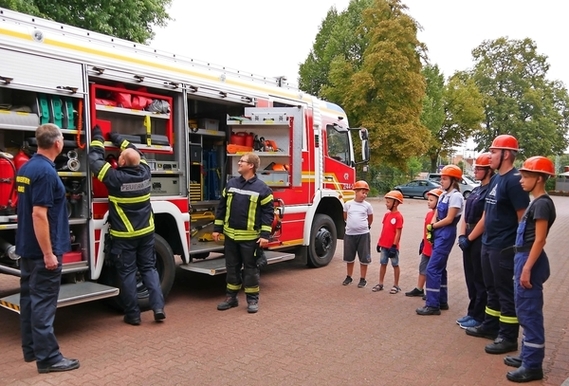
193	121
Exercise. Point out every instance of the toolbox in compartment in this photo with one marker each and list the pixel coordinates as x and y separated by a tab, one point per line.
273	178
165	186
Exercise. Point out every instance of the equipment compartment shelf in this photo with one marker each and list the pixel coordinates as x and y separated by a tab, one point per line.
145	148
122	110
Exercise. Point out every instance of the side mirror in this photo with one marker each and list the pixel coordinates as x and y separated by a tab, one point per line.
365	150
363	134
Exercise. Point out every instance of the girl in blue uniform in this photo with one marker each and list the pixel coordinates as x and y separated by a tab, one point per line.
443	234
531	269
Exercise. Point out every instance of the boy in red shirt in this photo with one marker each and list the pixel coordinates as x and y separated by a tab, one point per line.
426	247
388	243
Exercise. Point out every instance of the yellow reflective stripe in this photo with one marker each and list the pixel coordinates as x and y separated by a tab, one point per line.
268	199
124	144
95	143
143	161
252	290
509	319
129	200
266	228
124	218
492	312
233	287
127	234
103	171
218	222
251	214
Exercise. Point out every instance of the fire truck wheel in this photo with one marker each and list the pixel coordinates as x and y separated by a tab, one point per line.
323	239
165	265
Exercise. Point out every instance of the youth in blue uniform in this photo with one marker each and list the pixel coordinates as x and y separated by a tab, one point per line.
470	241
505	204
531	269
41	240
443	236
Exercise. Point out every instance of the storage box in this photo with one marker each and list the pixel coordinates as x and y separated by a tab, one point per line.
208	124
273	178
196	153
165	186
72	257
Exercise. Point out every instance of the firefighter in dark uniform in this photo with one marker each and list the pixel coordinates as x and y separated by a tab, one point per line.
41	240
131	222
505	205
245	216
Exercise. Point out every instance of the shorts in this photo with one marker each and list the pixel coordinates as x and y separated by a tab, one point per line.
384	259
359	244
423	264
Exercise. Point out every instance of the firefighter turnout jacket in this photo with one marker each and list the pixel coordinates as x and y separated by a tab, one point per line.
246	210
130	211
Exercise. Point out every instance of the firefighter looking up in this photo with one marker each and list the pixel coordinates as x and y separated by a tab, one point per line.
131	222
245	215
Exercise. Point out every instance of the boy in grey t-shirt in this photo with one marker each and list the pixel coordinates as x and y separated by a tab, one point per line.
358	215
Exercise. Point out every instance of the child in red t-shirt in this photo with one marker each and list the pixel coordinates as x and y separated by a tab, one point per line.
388	243
426	247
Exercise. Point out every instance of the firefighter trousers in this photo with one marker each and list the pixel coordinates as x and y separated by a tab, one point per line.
474	279
242	270
498	271
132	255
39	290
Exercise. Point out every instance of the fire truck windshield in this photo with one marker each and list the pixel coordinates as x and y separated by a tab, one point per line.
338	143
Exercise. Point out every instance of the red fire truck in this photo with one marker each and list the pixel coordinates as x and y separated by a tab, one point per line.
193	121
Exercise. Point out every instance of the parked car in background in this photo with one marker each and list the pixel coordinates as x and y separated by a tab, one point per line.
417	188
466	185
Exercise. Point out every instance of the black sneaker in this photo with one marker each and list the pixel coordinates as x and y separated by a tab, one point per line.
427	310
347	280
362	283
415	292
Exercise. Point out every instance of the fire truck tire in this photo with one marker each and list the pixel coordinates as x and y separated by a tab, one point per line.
323	240
165	265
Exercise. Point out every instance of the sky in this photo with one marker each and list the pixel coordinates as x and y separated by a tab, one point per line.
270	38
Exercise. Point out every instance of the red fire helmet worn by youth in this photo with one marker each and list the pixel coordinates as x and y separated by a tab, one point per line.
506	142
539	164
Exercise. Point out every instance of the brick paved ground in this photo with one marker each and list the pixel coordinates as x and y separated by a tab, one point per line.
310	330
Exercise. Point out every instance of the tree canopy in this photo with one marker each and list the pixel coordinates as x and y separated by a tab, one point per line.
518	99
374	61
127	19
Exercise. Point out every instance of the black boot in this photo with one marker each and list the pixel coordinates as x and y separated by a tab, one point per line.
229	302
524	375
252	303
512	361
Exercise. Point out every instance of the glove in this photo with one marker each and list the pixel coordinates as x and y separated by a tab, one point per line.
378	249
261	258
97	134
463	242
430	228
421	246
430	236
392	252
116	139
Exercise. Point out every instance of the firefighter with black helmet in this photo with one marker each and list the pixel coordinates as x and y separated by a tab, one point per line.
131	222
245	216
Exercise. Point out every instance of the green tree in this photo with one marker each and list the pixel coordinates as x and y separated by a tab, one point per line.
378	80
518	99
127	19
336	37
452	112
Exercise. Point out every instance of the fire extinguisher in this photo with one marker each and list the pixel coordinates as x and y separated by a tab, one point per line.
8	193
